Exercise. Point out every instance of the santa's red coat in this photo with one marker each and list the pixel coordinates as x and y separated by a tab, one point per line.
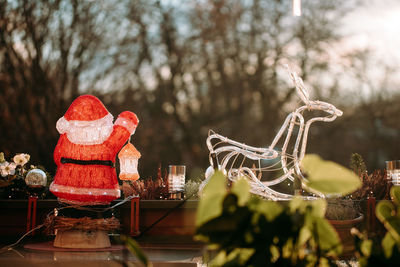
88	184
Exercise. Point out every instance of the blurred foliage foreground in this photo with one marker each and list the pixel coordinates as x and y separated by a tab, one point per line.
243	230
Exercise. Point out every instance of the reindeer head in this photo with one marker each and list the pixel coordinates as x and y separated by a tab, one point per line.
312	104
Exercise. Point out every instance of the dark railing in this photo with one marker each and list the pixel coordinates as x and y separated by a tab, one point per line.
157	217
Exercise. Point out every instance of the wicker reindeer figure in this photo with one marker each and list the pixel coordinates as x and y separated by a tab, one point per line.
239	160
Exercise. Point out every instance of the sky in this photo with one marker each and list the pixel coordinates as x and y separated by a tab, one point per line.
376	23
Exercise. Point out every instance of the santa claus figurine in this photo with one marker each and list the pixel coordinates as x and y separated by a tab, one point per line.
86	151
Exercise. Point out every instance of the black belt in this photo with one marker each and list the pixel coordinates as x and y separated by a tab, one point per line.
88	162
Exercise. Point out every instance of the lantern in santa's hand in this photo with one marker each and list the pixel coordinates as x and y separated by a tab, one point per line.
128	159
86	151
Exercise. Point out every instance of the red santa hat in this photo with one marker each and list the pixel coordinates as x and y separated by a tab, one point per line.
86	108
86	115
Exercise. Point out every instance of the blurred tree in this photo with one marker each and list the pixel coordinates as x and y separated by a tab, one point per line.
45	47
219	65
371	124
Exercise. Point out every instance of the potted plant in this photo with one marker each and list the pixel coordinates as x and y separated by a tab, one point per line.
244	230
341	211
375	187
374	184
344	214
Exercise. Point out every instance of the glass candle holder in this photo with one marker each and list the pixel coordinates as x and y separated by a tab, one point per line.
176	181
393	171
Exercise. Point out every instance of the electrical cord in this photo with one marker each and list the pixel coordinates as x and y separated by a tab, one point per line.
166	215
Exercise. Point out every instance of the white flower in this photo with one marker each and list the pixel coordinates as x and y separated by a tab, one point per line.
21	159
3	168
8	169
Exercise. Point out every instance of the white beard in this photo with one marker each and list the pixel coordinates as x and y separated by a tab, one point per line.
86	132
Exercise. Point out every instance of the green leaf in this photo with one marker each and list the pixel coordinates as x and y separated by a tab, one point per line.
236	257
395	194
287	248
384	210
219	259
318	207
210	205
366	247
388	243
386	213
329	177
241	189
274	253
269	209
323	262
229	227
327	237
297	203
135	249
304	236
241	255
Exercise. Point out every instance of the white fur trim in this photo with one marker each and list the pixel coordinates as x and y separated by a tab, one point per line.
81	203
127	124
86	132
85	191
62	125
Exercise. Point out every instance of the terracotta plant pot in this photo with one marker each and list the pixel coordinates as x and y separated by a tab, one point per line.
343	228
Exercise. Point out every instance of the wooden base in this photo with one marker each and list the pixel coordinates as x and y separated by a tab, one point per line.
82	239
